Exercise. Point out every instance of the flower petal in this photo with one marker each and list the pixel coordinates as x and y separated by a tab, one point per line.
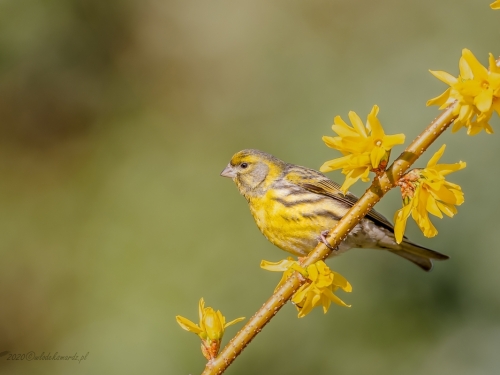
391	140
445	77
326	302
357	124
433	208
400	219
356	145
494	68
445	169
234	322
313	273
353	176
280	266
188	325
448	209
306	303
334	164
422	218
435	158
342	129
466	113
479	71
332	142
465	70
342	282
444	195
484	100
376	155
328	293
377	132
441	99
201	308
496	105
346	131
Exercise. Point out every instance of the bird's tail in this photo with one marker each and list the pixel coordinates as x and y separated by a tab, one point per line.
419	255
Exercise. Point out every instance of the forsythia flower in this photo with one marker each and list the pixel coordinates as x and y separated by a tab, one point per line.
210	330
477	91
319	288
426	191
495	5
365	149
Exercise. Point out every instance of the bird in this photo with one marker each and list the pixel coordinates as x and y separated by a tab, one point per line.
294	207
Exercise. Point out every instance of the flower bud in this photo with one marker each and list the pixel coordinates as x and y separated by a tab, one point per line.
212	324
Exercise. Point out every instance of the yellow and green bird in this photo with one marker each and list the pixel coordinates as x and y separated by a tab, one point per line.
294	207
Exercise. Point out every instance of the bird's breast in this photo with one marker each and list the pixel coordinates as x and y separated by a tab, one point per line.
292	219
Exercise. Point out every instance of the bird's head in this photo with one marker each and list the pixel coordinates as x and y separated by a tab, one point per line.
252	169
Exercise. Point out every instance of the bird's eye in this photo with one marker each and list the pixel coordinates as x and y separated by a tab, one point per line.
243	165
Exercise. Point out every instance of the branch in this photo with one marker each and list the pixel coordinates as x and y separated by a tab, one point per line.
375	192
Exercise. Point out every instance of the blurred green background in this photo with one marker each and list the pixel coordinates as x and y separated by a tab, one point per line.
116	118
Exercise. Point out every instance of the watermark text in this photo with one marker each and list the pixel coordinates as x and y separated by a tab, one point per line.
33	356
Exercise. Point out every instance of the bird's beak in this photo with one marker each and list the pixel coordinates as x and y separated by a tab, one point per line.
228	172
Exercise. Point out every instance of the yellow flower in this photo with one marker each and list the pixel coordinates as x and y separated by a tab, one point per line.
323	282
477	91
210	330
319	288
365	148
426	191
495	5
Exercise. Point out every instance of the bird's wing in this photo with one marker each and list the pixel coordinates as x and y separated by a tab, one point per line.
318	183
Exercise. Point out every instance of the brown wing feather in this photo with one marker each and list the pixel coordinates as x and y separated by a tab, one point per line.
318	183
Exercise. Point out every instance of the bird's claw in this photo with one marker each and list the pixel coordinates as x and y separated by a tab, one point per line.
322	238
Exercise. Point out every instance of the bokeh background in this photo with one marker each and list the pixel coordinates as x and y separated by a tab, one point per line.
116	118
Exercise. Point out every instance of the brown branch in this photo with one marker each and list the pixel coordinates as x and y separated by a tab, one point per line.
381	185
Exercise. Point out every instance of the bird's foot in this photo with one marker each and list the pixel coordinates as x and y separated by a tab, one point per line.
322	238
